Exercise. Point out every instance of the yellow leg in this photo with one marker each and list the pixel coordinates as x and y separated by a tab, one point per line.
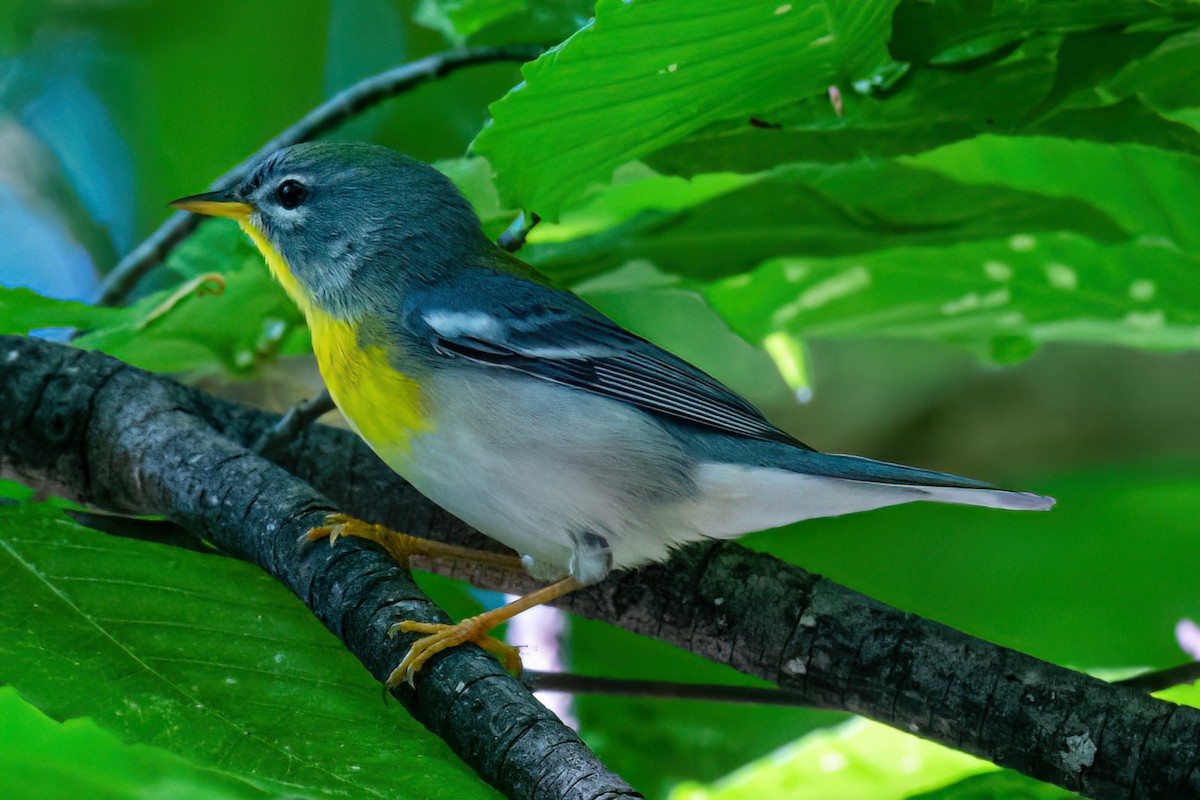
472	629
401	546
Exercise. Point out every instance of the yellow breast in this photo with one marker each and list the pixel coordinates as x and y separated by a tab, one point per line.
383	405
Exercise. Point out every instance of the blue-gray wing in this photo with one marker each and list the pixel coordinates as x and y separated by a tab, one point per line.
508	322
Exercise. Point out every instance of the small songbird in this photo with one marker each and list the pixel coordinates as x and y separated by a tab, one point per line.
514	404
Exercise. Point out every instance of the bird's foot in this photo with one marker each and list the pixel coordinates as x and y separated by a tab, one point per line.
441	637
402	546
473	629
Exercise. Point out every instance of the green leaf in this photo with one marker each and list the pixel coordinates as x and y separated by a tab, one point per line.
859	760
206	657
48	760
1148	191
604	97
930	107
959	31
250	322
473	177
1185	694
1041	288
1157	77
1129	121
998	785
818	210
636	189
1089	58
195	325
458	19
24	310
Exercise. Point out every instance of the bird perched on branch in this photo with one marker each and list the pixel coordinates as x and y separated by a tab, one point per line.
515	405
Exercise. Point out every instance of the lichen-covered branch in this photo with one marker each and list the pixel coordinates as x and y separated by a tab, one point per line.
832	646
94	429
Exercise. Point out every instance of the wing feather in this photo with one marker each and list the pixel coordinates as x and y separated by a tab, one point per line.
554	336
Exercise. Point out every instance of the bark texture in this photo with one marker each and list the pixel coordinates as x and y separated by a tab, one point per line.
832	646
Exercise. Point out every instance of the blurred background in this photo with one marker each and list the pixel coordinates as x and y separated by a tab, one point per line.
844	278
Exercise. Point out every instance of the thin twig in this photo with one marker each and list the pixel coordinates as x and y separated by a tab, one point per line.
1164	678
366	93
513	238
665	690
572	683
297	418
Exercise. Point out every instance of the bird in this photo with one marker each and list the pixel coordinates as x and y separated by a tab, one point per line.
512	403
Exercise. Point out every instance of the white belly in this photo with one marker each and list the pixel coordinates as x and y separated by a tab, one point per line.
582	484
537	466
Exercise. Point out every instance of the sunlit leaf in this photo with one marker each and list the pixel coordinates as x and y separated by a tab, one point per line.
859	760
1040	288
998	785
1187	694
458	19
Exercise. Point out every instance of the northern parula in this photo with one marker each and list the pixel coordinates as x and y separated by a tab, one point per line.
514	404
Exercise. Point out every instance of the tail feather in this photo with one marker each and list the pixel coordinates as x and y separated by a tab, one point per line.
738	498
940	487
858	468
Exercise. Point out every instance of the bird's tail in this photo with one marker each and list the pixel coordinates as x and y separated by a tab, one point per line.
940	487
738	498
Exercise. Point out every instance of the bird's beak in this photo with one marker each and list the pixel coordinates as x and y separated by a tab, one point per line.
215	204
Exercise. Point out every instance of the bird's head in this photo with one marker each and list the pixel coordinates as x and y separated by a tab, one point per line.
346	226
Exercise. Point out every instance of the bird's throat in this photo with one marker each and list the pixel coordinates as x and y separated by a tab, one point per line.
279	267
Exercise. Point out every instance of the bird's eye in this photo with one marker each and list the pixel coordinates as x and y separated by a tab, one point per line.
291	194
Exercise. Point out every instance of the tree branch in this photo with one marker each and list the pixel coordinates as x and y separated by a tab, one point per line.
833	647
108	434
334	111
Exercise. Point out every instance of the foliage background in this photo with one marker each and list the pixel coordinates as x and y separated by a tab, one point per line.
986	263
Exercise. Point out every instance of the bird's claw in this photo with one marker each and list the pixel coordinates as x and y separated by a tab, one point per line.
441	637
333	528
